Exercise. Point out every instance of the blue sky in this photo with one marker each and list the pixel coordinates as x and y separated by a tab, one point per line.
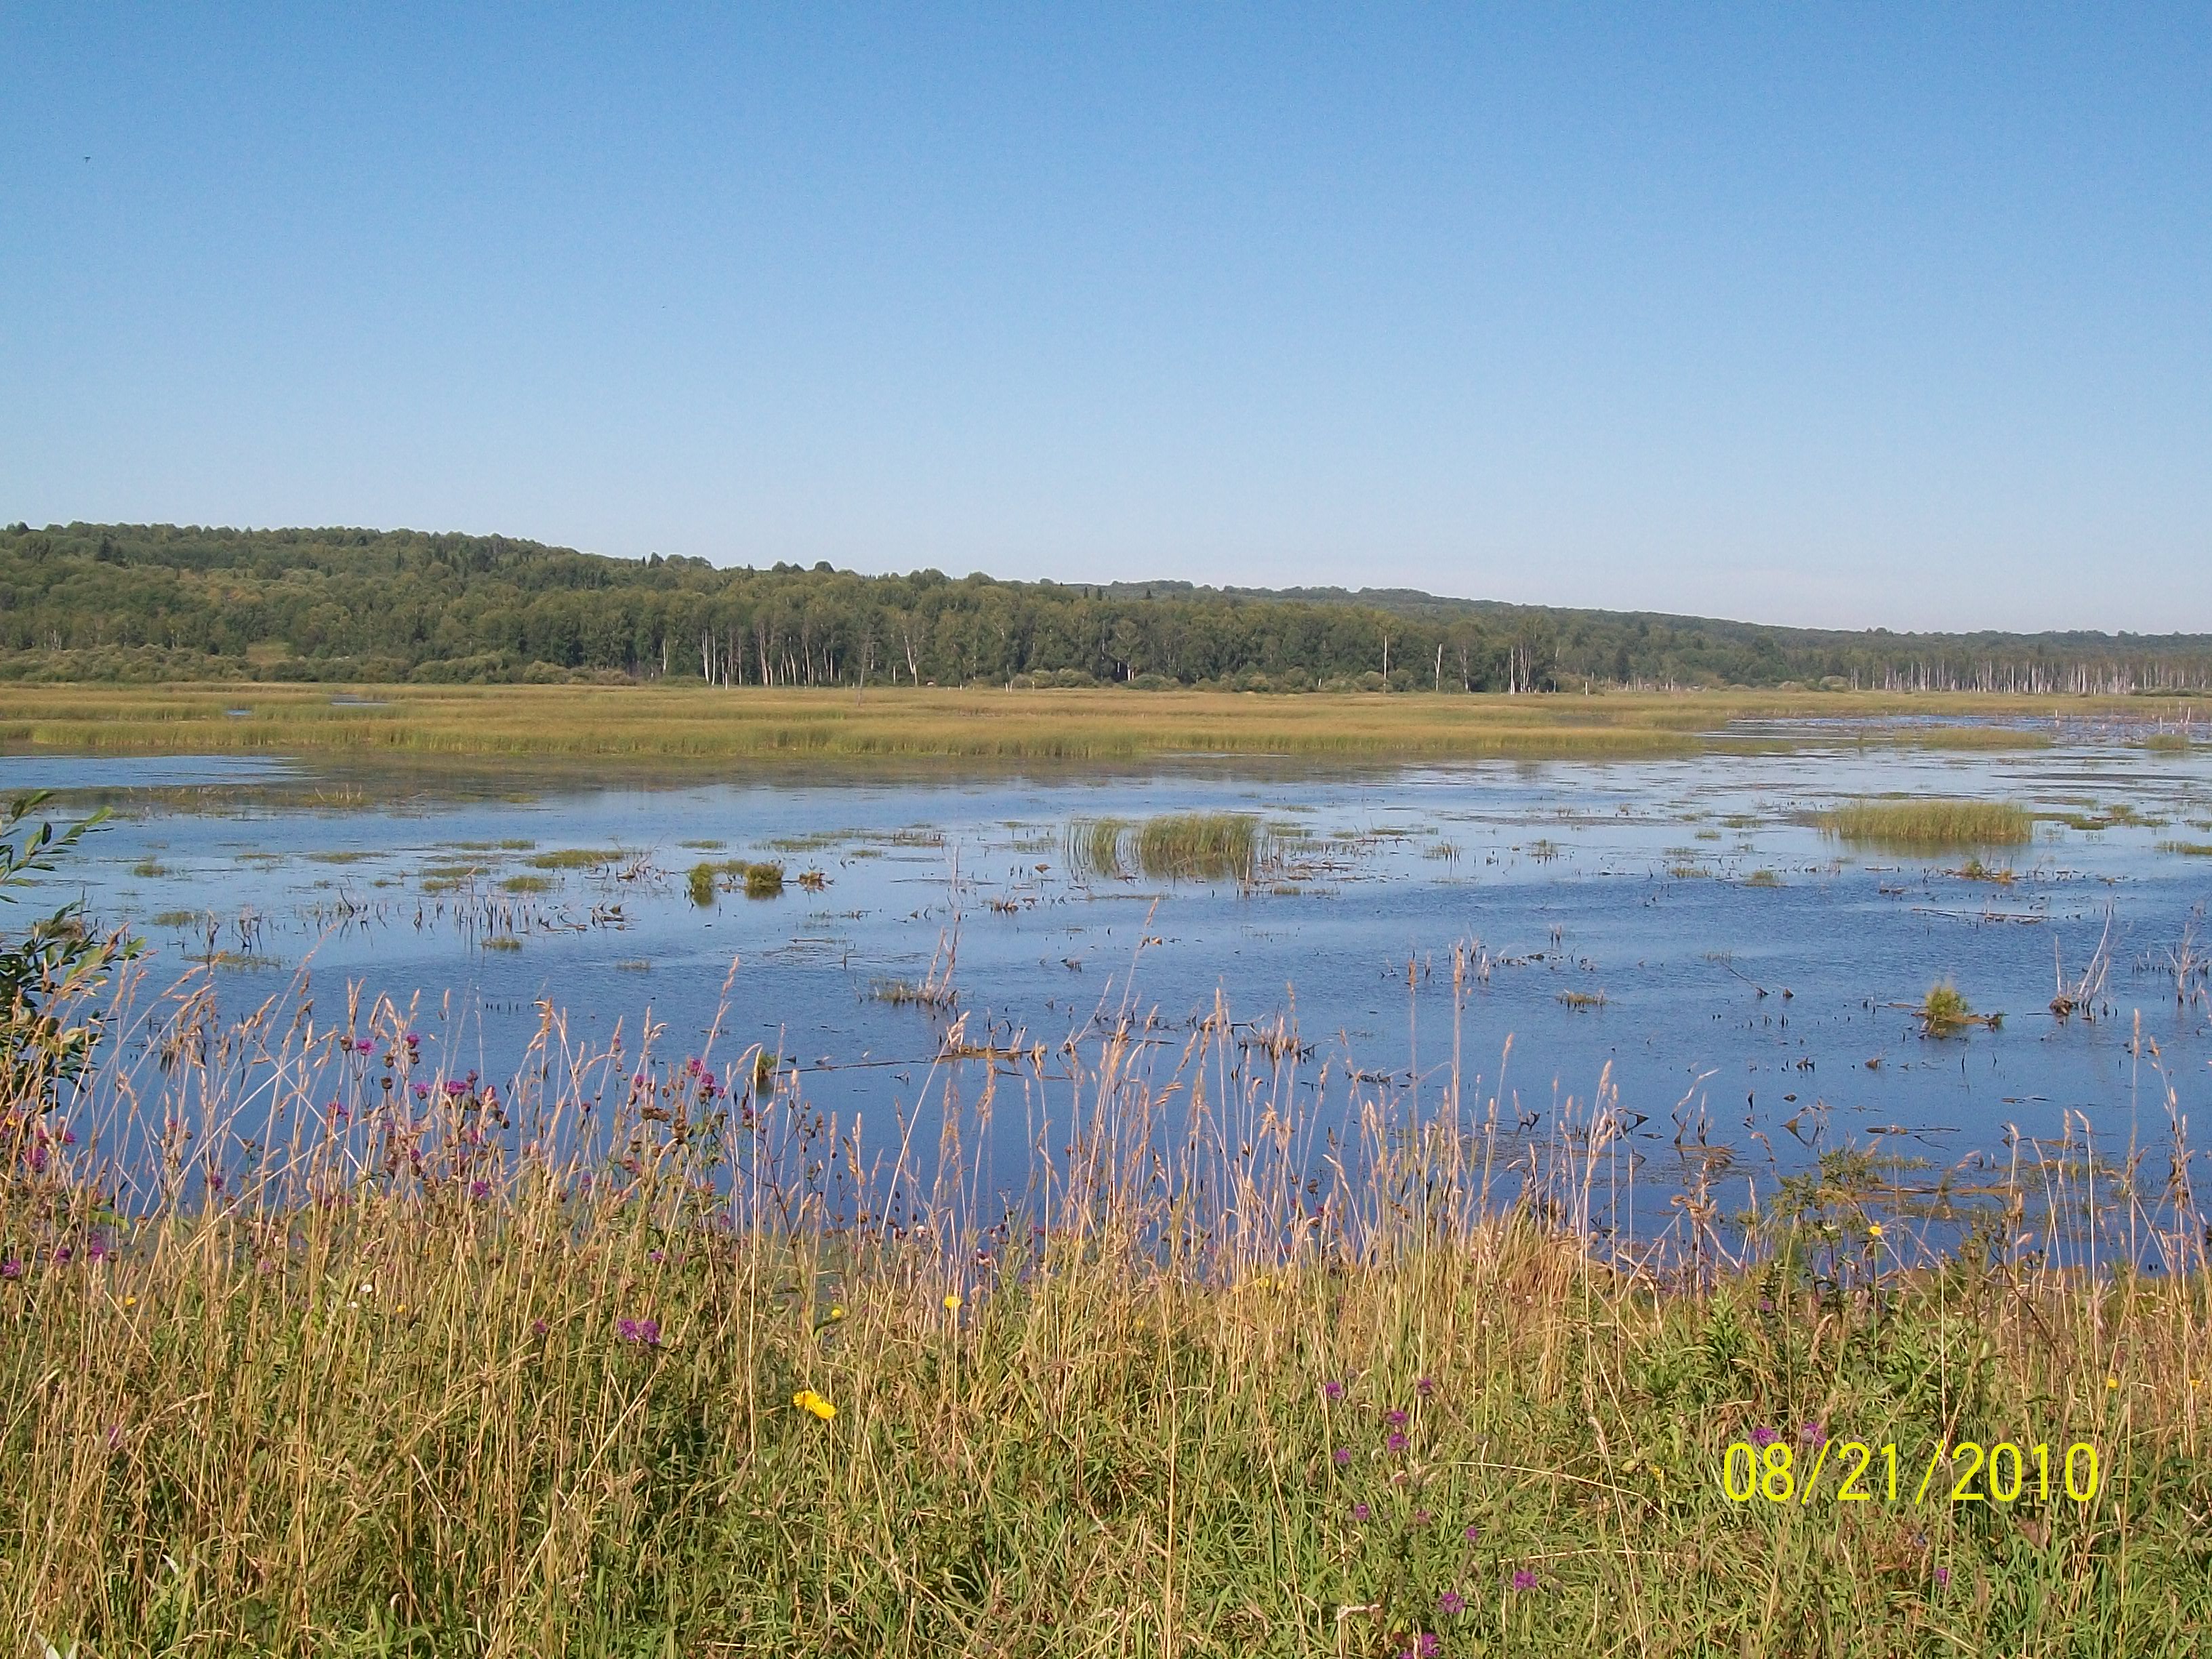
1849	316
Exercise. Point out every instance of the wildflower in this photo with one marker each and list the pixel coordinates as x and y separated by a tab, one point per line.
952	1301
1422	1517
836	1312
1342	1455
480	1190
1396	1442
1425	1386
421	1091
1360	1511
626	1330
1942	1577
807	1401
1811	1434
1471	1535
1451	1603
1763	1436
1332	1390
11	1268
1874	1230
2111	1382
538	1327
1398	1417
1524	1579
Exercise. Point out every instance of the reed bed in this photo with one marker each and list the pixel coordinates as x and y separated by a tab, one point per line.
315	1348
657	723
1930	825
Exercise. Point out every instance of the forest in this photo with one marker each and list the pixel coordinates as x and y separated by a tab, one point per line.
146	602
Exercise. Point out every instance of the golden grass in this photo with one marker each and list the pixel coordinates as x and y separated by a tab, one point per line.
654	723
1928	825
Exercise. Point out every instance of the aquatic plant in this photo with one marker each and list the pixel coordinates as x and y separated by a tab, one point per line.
1944	1011
1201	845
763	881
1930	825
701	884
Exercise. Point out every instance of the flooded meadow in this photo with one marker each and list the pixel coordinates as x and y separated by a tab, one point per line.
1703	976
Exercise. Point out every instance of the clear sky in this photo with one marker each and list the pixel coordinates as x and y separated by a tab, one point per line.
1869	314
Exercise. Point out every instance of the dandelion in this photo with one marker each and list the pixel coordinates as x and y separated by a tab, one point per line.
952	1301
1396	1442
1874	1230
809	1401
1524	1579
1451	1604
2111	1382
837	1312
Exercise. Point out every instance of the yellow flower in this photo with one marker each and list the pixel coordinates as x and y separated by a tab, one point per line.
2111	1382
807	1401
836	1313
952	1301
1874	1230
130	1301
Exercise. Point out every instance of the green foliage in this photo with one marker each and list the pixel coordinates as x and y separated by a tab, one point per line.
164	602
57	964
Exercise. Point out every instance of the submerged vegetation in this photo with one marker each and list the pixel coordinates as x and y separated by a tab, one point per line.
1930	825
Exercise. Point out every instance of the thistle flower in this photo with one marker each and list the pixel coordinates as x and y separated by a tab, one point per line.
1523	1578
1341	1456
1332	1390
1762	1436
1360	1512
1396	1442
1451	1603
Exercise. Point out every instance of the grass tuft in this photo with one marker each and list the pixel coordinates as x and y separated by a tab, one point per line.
1930	825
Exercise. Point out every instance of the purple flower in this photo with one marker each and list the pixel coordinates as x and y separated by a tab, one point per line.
95	1251
626	1330
1425	1387
538	1327
11	1268
479	1190
1396	1442
1763	1436
1360	1511
62	1256
1426	1645
1472	1533
1342	1455
1524	1579
1332	1390
455	1088
1811	1434
1942	1577
655	1257
1451	1603
1397	1417
421	1091
1422	1517
414	1039
646	1332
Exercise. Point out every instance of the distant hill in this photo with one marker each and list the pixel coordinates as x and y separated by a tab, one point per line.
145	602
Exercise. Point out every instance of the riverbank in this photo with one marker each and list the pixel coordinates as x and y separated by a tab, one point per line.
703	724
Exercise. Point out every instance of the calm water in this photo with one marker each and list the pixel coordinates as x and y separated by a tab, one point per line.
1747	966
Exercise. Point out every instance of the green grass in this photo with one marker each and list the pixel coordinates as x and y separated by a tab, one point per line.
576	858
525	885
2193	849
1930	825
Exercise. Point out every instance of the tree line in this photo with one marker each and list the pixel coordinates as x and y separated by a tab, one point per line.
147	602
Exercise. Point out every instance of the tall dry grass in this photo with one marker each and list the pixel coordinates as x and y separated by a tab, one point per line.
303	1360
